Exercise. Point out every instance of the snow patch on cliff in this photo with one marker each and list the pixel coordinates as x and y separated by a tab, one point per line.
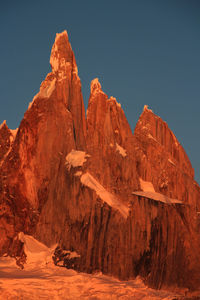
146	186
48	90
76	159
157	197
45	92
89	181
151	137
38	254
121	150
171	162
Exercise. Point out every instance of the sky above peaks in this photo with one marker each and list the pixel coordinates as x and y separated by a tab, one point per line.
143	52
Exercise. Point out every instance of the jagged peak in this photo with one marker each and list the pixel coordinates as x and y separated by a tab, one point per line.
95	86
148	112
3	124
152	127
63	66
62	56
146	108
62	35
113	99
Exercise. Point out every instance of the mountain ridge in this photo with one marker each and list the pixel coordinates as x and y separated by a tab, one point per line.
90	207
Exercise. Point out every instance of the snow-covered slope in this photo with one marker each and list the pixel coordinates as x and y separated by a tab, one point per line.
46	281
37	254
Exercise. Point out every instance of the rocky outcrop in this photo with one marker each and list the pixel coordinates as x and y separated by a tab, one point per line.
125	204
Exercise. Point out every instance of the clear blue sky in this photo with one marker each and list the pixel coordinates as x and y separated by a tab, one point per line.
143	52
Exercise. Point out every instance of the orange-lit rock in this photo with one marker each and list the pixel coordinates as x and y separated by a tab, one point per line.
162	160
7	137
70	180
53	125
110	143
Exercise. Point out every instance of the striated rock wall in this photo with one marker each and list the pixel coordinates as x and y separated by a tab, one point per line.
69	180
155	241
162	160
46	134
110	143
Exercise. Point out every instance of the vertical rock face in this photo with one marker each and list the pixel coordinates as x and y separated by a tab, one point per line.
70	180
7	210
53	125
162	160
106	121
68	85
110	142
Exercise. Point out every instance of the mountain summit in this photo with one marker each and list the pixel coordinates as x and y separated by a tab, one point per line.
126	204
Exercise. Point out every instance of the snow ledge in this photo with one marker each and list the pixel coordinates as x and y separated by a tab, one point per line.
76	159
89	181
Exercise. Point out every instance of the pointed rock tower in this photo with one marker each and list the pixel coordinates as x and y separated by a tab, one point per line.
53	125
162	160
127	204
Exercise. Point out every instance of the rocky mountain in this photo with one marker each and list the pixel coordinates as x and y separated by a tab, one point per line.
126	203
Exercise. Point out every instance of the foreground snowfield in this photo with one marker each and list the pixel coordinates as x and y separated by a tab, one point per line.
41	279
60	283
